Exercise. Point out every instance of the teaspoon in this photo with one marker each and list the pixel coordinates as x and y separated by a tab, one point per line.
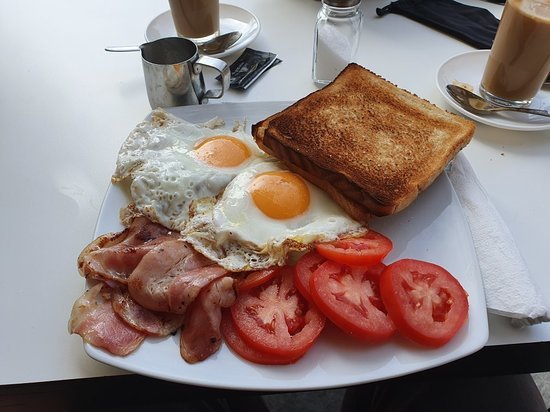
221	43
216	45
477	104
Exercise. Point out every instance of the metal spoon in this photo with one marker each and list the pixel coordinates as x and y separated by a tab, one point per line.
221	43
216	45
477	104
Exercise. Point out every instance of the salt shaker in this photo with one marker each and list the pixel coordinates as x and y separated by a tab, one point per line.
336	40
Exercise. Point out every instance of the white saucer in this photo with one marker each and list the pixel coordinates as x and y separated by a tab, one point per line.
232	18
468	68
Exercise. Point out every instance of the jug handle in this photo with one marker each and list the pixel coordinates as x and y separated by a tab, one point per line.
225	74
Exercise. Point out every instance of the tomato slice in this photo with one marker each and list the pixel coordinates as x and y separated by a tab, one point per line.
349	297
303	270
361	251
427	304
275	318
241	348
374	272
256	278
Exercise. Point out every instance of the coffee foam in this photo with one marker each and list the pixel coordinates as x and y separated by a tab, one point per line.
539	10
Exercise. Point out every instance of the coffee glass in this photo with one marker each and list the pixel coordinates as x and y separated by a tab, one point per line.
173	73
197	20
519	61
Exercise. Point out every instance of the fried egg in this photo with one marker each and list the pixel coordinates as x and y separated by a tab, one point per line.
263	214
172	162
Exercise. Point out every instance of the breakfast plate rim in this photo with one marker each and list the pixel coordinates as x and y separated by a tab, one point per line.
322	367
467	68
163	22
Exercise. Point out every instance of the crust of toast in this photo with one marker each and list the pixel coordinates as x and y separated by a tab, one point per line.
372	146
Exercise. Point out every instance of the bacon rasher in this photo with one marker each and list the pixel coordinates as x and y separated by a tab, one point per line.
93	318
150	283
112	257
200	335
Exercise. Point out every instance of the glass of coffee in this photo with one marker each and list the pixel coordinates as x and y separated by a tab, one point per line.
197	20
519	61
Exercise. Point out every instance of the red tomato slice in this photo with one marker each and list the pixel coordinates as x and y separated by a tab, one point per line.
361	251
374	272
349	297
275	318
241	348
303	270
256	278
427	304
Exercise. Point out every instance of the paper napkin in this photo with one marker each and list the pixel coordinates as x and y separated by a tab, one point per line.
509	289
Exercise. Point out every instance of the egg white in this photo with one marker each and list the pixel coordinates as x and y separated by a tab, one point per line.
232	231
165	175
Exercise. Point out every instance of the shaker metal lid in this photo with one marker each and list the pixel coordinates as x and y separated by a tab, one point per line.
341	3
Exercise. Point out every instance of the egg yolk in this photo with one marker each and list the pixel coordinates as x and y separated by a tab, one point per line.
280	194
222	151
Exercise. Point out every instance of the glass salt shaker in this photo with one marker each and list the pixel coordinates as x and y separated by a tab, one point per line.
336	40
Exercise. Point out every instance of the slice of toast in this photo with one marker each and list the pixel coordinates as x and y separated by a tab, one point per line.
372	146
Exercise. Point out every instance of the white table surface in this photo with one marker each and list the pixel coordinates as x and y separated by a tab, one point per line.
67	105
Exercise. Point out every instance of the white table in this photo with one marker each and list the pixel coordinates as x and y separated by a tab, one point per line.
67	105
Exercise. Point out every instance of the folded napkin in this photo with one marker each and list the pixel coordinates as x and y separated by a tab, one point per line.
473	25
509	289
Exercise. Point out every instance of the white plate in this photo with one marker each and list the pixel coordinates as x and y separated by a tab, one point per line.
433	228
232	18
468	68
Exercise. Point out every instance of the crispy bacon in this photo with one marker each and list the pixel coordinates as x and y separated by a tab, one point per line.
170	277
93	318
200	336
112	257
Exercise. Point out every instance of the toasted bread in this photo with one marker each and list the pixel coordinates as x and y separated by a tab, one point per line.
372	146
